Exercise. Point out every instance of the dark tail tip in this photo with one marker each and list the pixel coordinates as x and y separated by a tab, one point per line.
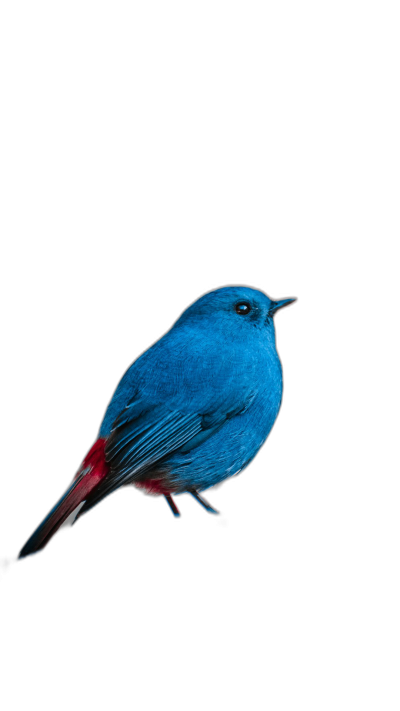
23	555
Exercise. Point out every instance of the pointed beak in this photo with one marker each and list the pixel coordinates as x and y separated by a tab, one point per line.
279	305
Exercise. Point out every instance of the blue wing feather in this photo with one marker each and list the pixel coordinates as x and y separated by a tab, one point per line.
134	447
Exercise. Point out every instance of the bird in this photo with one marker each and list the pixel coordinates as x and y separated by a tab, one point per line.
191	411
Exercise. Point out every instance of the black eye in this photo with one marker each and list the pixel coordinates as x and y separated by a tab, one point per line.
243	308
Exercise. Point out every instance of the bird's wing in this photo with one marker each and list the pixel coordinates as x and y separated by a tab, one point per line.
140	438
144	435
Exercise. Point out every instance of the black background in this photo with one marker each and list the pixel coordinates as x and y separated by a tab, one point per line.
116	222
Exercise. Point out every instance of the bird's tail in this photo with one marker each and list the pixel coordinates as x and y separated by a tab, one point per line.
92	470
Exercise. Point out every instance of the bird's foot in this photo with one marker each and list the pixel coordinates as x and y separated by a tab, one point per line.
172	505
203	502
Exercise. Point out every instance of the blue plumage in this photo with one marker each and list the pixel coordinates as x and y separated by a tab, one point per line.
195	408
202	400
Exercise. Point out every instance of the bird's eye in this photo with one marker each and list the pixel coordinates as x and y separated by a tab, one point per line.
243	308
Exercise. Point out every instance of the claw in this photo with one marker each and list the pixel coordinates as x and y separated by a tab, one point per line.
204	503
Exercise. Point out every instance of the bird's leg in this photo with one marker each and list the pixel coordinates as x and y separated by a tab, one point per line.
172	505
202	501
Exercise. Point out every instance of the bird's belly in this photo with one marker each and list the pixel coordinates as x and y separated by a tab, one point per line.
226	452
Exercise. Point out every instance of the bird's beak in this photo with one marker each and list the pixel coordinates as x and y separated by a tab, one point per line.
279	304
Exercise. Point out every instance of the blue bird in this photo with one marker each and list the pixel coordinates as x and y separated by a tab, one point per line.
191	411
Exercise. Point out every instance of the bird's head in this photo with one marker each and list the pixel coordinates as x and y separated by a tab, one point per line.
234	309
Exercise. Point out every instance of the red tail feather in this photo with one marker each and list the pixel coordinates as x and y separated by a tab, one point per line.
92	470
94	461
